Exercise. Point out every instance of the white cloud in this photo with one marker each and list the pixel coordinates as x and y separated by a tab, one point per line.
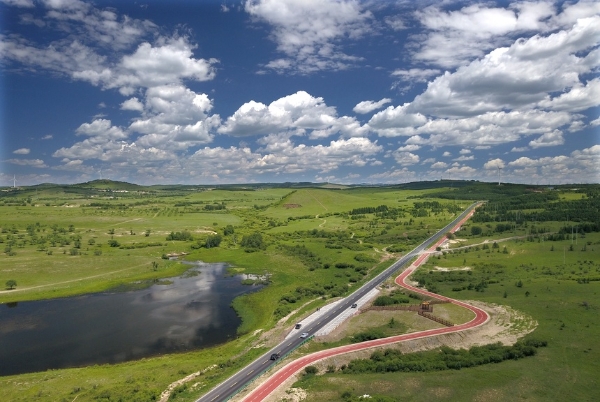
439	165
494	164
461	172
395	22
578	98
416	74
519	149
283	157
162	64
19	3
93	25
38	163
464	158
584	165
101	129
446	154
297	113
368	106
477	28
551	139
133	104
405	158
396	121
22	151
307	31
410	147
464	151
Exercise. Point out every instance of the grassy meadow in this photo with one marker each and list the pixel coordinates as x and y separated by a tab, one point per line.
560	289
316	244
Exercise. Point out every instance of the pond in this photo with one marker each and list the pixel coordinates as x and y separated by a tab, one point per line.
184	313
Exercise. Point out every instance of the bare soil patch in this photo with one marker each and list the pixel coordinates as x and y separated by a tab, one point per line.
288	206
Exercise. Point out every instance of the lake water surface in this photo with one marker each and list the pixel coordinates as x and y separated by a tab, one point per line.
191	313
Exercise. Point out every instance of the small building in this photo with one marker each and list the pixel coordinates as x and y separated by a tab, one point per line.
426	306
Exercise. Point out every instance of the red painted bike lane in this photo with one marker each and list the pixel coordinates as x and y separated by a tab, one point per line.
280	376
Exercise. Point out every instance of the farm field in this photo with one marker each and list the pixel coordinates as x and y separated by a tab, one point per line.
313	245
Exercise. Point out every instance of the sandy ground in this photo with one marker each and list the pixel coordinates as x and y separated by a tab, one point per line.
505	325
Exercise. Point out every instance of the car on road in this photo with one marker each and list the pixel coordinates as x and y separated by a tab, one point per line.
304	335
274	356
298	326
354	305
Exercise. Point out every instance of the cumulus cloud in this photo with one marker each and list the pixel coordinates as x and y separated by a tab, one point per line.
478	28
368	106
494	164
298	113
396	121
101	128
578	98
22	151
404	158
308	31
506	78
551	139
38	163
133	104
283	157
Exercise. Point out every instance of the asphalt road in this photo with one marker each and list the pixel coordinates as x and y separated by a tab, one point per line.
235	383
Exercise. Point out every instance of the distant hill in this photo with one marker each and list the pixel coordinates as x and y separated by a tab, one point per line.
105	184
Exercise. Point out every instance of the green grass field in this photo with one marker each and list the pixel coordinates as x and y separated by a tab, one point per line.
566	311
57	243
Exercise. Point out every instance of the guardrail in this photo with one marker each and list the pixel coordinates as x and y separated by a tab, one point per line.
250	381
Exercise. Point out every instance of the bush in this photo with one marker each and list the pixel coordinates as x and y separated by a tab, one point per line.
213	241
181	236
362	257
253	242
311	370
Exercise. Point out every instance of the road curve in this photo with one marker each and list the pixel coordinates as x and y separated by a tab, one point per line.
280	376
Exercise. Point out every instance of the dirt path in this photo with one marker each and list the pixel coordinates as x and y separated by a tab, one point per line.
69	281
120	223
317	200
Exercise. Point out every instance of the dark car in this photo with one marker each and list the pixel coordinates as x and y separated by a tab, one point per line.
274	356
298	326
354	305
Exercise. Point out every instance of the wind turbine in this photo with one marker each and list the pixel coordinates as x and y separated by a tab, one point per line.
14	181
499	168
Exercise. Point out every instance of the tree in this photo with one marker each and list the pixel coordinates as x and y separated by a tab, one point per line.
213	241
11	284
476	230
253	241
228	230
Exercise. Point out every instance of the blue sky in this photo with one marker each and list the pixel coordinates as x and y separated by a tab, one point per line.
343	91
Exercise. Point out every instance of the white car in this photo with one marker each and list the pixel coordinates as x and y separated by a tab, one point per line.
304	335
